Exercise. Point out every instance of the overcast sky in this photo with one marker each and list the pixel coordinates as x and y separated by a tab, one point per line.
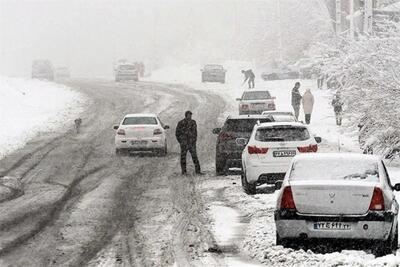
90	35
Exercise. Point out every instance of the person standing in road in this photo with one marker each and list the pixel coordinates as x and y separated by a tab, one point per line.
308	104
186	134
296	99
337	104
249	75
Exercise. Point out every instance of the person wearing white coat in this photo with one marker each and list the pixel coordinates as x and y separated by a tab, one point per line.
308	104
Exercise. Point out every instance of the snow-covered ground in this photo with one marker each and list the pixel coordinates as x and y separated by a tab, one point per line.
29	107
258	239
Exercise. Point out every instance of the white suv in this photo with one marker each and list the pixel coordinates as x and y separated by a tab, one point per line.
269	151
141	133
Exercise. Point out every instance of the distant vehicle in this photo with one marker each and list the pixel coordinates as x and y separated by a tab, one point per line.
338	196
280	74
305	67
213	73
228	153
141	133
42	69
280	116
126	72
255	102
62	73
269	151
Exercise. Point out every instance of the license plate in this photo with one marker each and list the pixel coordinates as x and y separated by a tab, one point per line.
138	142
284	153
331	226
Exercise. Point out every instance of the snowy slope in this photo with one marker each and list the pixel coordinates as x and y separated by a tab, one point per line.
28	107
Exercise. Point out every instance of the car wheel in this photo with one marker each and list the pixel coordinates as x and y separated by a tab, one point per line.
220	165
249	188
388	246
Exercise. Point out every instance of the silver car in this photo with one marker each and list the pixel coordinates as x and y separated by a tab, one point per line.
338	196
255	102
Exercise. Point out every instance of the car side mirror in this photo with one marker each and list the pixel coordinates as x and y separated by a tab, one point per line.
166	127
216	130
241	141
116	127
396	187
318	139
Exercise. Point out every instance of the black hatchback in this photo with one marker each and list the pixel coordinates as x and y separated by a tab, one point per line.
228	152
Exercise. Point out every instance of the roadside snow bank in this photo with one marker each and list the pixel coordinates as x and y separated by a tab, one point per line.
28	107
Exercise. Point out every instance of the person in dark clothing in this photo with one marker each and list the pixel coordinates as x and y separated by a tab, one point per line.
249	75
186	134
296	99
337	104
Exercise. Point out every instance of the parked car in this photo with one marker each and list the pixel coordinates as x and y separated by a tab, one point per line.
126	72
42	69
280	74
228	153
270	149
213	73
280	116
255	102
141	133
338	196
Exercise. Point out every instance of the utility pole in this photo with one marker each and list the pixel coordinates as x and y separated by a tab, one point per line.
351	16
338	18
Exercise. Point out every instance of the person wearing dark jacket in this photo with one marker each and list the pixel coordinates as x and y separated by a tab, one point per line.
186	134
337	104
296	100
249	75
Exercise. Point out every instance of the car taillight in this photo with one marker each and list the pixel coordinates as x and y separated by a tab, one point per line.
224	136
377	200
121	132
157	132
257	150
244	106
287	201
307	149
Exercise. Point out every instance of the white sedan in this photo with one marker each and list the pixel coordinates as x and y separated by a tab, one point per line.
271	147
141	133
338	196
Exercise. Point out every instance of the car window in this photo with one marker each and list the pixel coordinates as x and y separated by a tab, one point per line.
242	125
256	95
339	169
140	121
282	134
213	67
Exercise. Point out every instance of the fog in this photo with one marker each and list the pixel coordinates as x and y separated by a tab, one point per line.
89	36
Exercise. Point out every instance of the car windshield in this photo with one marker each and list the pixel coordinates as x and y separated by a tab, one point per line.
256	95
139	121
243	125
339	169
213	67
282	134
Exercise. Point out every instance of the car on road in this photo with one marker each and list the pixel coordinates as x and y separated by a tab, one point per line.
338	196
126	72
141	133
270	149
280	116
42	69
228	153
255	102
213	73
283	73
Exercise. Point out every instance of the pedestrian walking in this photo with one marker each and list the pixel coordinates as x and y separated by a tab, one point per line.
249	76
320	81
77	123
296	99
337	104
186	134
308	104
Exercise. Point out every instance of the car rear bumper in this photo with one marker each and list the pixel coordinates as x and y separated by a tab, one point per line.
259	173
151	144
373	226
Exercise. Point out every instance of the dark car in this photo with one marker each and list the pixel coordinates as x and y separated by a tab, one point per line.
228	152
213	73
280	74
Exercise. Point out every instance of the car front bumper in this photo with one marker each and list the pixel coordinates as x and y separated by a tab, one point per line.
256	172
373	226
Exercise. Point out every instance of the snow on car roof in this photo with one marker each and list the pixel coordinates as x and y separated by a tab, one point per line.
267	112
271	124
141	115
336	156
256	116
